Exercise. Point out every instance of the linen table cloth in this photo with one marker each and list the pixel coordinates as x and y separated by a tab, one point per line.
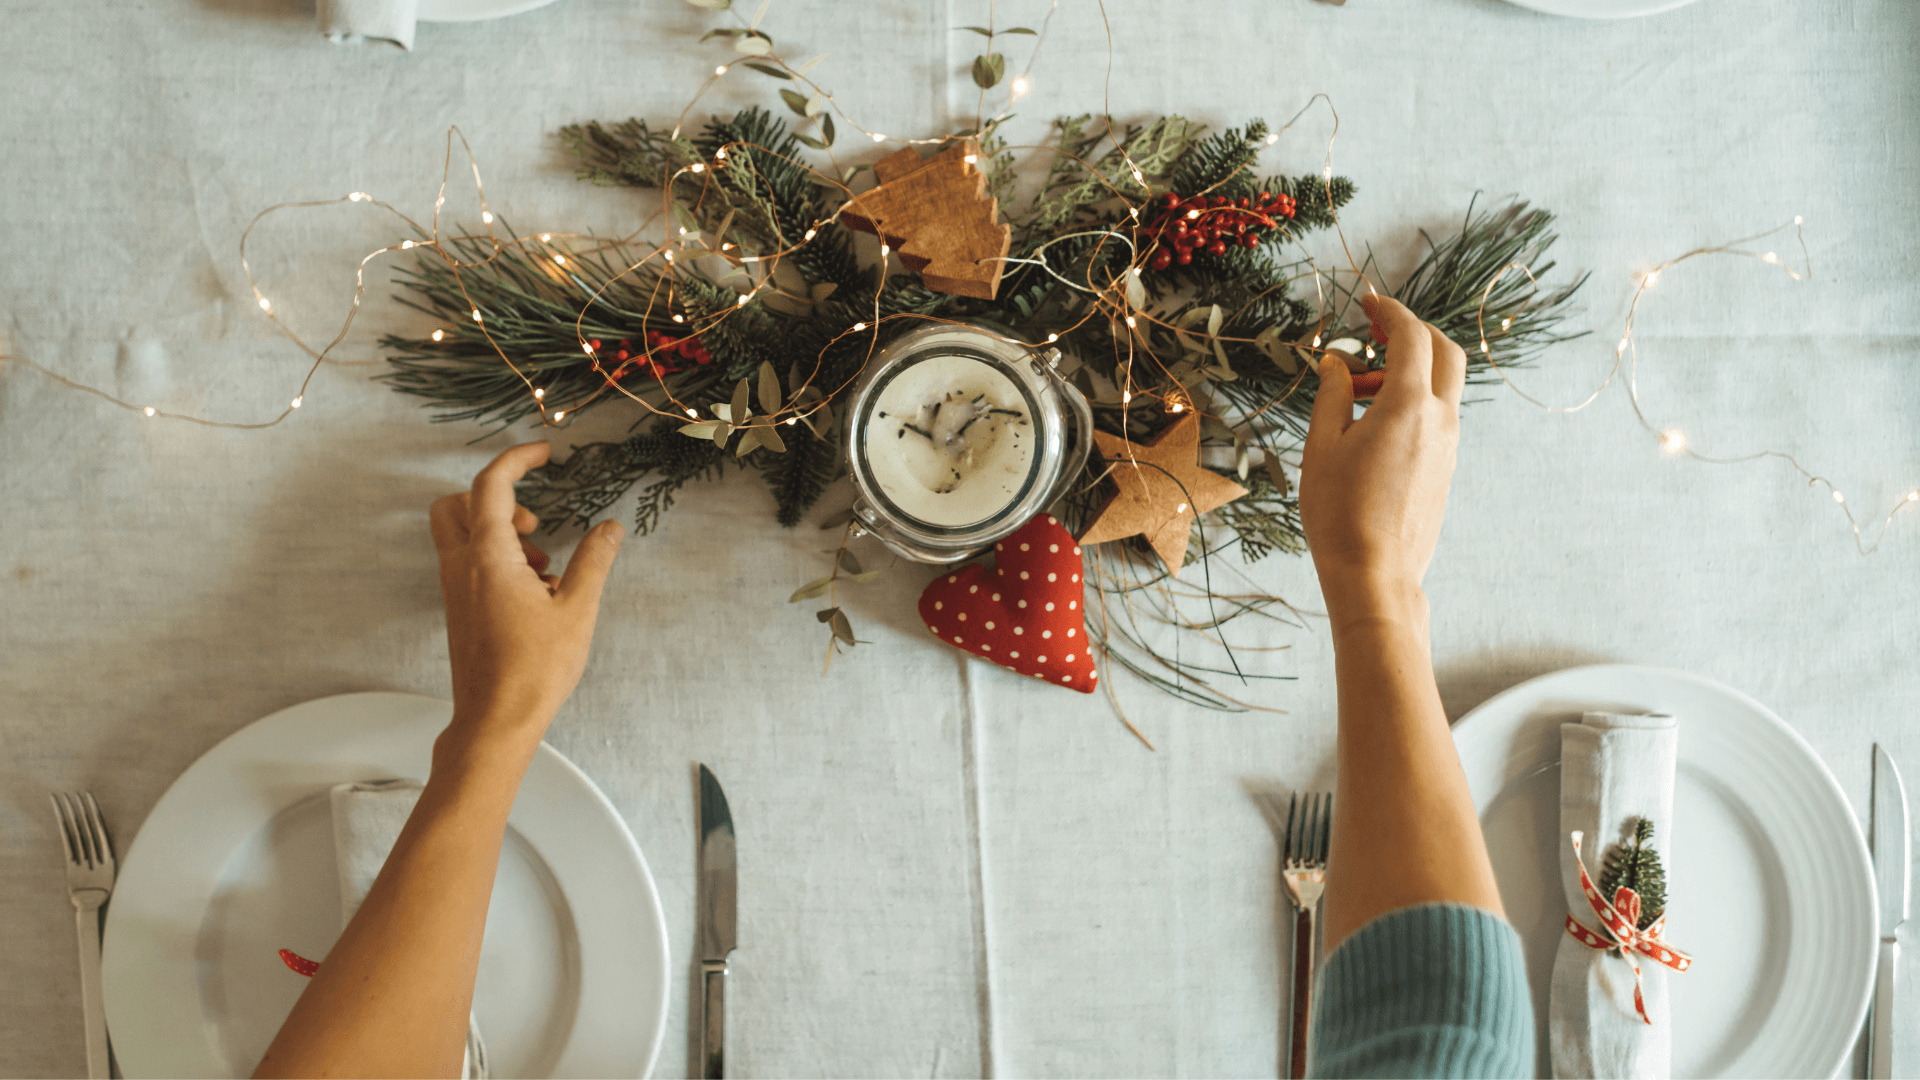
945	869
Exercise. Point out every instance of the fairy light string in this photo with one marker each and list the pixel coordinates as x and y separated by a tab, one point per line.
1114	299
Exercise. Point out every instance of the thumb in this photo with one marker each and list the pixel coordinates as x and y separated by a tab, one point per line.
587	570
1332	404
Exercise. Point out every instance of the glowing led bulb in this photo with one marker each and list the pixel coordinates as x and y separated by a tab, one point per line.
1327	172
1620	348
545	236
1839	498
560	260
358	196
295	403
693	413
1316	342
696	167
148	410
669	256
859	326
439	202
877	137
1053	337
406	245
1770	257
680	318
721	70
539	393
971	158
683	230
1131	321
438	334
742	302
486	216
588	349
1181	509
1126	396
1506	324
1369	352
1797	219
476	314
265	304
1673	441
1193	213
792	420
1912	496
1485	350
810	234
1021	85
1273	138
560	415
1175	407
721	153
885	251
1649	279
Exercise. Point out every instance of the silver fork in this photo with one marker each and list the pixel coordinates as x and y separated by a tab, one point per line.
1304	866
89	883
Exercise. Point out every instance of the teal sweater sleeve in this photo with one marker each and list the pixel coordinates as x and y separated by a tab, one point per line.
1438	990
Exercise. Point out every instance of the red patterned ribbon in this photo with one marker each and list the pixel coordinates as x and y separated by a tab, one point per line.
1621	918
300	965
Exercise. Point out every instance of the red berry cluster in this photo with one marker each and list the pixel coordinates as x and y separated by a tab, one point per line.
1211	223
664	355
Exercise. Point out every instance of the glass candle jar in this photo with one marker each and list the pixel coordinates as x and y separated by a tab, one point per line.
960	435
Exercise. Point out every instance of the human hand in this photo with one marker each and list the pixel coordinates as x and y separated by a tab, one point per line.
1373	490
517	636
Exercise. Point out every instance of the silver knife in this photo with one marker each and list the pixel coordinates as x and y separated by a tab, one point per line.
717	897
1893	871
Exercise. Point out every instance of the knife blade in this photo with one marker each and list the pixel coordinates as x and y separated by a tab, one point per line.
1893	877
717	913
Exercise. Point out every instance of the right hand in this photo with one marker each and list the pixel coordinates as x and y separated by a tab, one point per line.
517	637
1373	490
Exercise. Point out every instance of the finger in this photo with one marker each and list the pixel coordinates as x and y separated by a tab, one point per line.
492	506
448	520
587	570
552	582
536	558
1409	347
1332	406
524	520
1449	368
1368	383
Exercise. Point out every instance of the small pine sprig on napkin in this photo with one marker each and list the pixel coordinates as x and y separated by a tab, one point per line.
1638	868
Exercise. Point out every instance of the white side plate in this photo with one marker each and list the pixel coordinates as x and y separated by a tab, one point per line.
236	862
1581	9
473	10
1770	887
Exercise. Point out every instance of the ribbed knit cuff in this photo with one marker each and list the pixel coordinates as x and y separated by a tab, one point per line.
1438	990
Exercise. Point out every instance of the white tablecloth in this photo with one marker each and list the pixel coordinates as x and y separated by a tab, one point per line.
945	869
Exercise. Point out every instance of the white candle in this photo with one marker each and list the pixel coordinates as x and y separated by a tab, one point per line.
949	441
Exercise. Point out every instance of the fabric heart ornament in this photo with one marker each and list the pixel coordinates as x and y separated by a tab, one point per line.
1024	613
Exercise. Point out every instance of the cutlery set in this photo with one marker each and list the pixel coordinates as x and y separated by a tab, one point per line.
1304	843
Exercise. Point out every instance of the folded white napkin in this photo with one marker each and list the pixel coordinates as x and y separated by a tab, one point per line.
391	20
1614	770
367	819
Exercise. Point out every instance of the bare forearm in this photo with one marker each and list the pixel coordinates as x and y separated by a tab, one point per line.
393	995
1413	837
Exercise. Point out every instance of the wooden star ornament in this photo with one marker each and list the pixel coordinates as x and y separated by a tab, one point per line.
1162	489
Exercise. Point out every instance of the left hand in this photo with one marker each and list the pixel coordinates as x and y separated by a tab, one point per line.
517	636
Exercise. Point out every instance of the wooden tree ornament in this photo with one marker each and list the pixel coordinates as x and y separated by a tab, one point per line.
936	213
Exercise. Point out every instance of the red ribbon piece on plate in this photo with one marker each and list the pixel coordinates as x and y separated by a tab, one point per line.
299	964
1621	919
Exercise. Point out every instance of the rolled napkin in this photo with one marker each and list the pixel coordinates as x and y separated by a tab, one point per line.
389	20
367	819
1615	770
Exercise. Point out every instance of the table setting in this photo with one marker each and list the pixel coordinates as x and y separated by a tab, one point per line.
934	357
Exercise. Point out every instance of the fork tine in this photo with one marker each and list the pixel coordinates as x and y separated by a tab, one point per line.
1311	845
1325	831
78	809
1287	843
102	843
66	832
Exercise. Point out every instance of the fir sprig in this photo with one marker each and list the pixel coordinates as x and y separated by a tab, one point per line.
1637	866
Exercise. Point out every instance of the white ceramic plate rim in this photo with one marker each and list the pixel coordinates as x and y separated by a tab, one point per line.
453	11
1504	740
172	869
1593	9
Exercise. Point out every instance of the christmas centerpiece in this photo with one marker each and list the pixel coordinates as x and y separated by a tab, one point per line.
1153	277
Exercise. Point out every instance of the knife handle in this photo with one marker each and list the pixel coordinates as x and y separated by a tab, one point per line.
713	1020
1880	1052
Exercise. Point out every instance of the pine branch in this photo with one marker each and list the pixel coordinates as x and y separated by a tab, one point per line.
1637	867
575	491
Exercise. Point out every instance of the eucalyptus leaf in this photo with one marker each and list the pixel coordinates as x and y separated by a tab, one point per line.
809	65
816	587
742	407
826	614
752	44
770	396
842	629
981	30
1241	460
724	411
1214	318
837	518
848	562
826	128
988	70
749	441
816	103
728	32
712	5
768	69
821	290
721	433
761	14
1021	30
795	100
769	437
697	431
1278	474
810	141
867	576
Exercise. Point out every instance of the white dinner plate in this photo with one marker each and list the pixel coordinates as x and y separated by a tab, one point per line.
236	862
1589	9
1769	885
473	10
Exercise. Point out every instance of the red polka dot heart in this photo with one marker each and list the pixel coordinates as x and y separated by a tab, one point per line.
1025	612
